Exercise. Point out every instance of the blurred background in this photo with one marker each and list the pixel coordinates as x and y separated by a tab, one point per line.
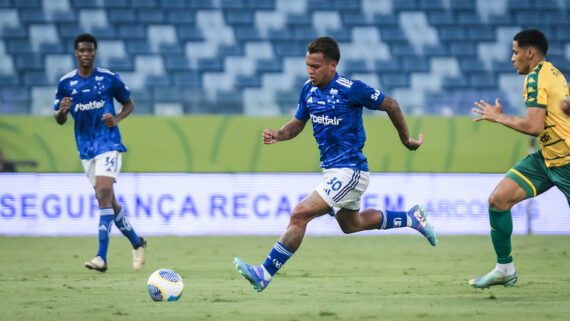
208	76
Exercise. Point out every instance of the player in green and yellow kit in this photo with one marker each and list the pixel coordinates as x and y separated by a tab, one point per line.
545	89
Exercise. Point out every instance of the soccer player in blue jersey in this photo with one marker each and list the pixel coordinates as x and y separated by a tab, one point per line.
334	106
87	93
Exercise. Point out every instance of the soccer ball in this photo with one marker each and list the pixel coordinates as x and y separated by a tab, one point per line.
165	285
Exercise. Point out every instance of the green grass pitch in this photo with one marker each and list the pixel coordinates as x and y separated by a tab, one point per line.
330	278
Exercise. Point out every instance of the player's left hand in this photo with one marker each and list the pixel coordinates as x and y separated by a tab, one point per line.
413	144
489	112
110	120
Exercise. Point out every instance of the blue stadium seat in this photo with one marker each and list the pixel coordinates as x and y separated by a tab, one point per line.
395	80
239	17
436	51
29	16
471	64
500	20
144	4
14	99
189	33
105	33
352	66
52	48
287	100
304	34
247	33
211	64
248	81
463	48
268	65
14	32
481	33
170	48
18	46
503	67
346	5
354	18
120	16
202	4
283	34
230	102
35	78
138	47
519	4
561	33
156	80
27	3
441	18
528	17
167	94
285	49
115	4
261	4
483	80
549	5
468	5
29	62
181	16
391	66
177	62
143	101
232	4
415	64
5	4
8	80
151	16
405	5
454	83
132	31
402	49
385	20
428	5
68	31
187	79
555	18
298	19
119	65
230	50
469	18
340	35
318	5
451	33
393	34
174	4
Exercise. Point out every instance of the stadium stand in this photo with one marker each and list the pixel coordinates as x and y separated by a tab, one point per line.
247	56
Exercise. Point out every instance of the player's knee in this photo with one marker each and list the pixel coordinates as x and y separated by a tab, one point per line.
498	202
103	193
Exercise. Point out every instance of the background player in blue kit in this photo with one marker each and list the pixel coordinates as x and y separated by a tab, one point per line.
334	105
87	93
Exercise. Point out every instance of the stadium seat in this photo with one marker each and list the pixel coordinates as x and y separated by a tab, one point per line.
247	33
120	64
187	79
176	62
180	16
57	66
29	16
144	3
138	47
27	4
405	5
35	78
151	16
239	17
120	16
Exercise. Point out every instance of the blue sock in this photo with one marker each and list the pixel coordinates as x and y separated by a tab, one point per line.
124	225
105	223
393	219
277	257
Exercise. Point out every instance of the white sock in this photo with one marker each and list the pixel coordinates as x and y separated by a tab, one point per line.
507	268
266	275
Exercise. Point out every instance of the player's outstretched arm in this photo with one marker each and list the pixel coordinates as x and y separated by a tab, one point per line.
391	106
532	124
61	114
112	121
288	131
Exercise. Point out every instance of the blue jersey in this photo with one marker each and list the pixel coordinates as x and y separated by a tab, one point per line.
336	114
91	98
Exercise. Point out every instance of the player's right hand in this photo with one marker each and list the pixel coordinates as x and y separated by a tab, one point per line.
269	136
65	104
565	105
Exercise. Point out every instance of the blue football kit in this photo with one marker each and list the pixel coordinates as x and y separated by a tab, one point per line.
336	114
91	98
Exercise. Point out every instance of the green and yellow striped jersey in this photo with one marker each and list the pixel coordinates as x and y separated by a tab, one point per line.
546	87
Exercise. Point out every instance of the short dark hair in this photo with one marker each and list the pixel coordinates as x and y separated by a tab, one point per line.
327	46
532	38
84	37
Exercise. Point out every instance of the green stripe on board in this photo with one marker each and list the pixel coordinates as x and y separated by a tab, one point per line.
185	144
451	140
218	139
51	159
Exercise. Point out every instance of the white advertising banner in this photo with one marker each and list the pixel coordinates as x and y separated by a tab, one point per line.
256	204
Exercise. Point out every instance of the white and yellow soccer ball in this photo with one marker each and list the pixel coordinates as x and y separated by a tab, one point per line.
165	285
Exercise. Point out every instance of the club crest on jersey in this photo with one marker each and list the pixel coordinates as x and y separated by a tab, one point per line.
325	120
